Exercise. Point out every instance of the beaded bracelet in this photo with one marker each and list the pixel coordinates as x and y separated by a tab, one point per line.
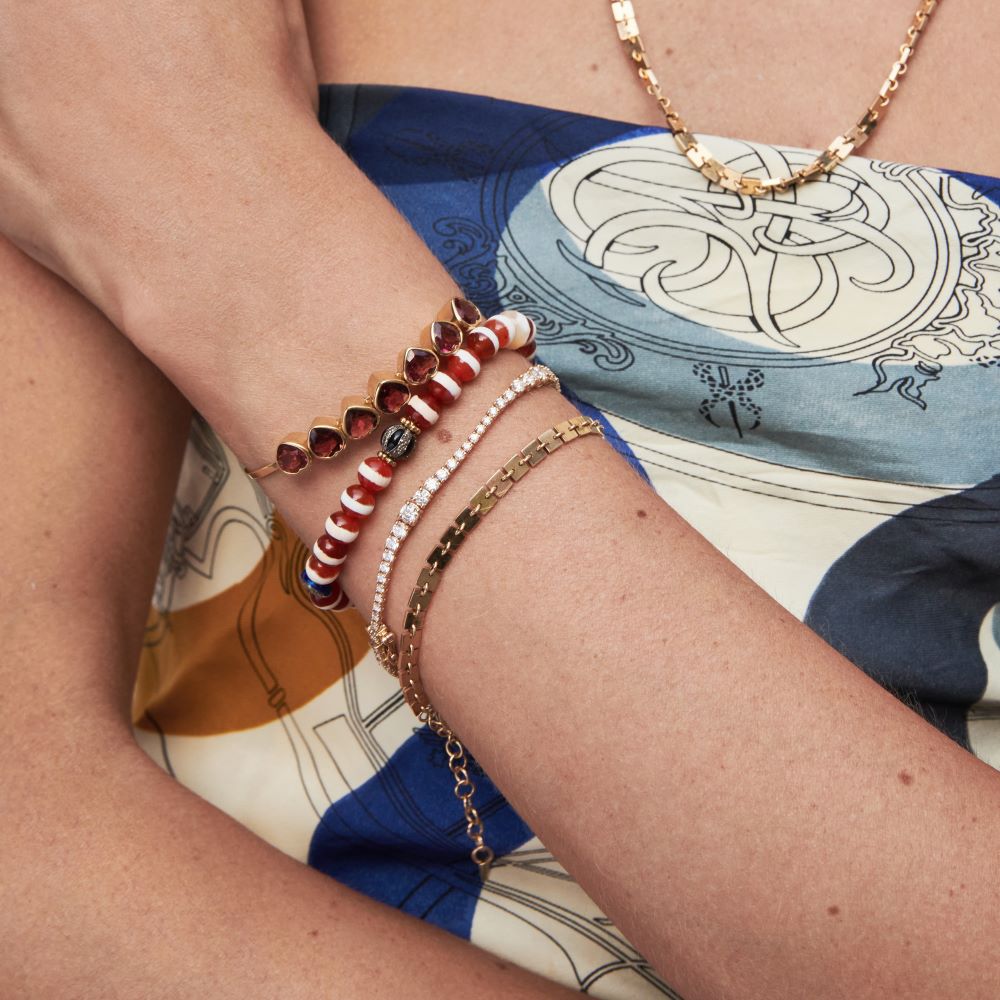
408	667
325	563
381	637
454	343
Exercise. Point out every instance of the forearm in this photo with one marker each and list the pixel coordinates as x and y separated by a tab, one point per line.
117	882
120	883
763	795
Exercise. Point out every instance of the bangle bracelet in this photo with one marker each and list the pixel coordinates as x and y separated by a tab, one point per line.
380	636
487	497
325	563
426	377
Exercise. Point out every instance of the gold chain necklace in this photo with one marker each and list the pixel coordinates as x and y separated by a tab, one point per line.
732	180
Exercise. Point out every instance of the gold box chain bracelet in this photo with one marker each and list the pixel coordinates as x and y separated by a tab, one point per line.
485	499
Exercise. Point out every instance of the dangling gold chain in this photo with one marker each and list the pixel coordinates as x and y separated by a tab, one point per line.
732	180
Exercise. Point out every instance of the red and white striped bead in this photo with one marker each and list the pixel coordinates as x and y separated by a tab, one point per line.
321	572
357	500
374	474
343	527
444	389
328	550
463	366
523	328
502	326
335	601
423	410
483	342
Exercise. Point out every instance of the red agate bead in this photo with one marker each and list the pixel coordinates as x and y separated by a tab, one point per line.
357	500
443	388
502	327
321	572
336	600
423	410
374	474
463	366
483	342
330	550
342	526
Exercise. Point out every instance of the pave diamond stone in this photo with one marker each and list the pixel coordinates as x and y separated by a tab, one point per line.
480	429
509	395
442	474
452	464
431	485
492	411
383	568
398	442
388	555
487	420
410	512
422	498
392	544
467	447
475	436
518	384
400	530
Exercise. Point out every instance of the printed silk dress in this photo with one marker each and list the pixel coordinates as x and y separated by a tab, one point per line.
812	380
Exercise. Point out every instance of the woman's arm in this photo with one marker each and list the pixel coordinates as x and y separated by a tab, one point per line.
758	816
117	881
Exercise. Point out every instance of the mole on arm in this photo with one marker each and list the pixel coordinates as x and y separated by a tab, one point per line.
905	777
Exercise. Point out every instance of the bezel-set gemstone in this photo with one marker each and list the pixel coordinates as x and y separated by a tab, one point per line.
326	440
465	311
398	442
292	458
446	337
419	364
359	421
391	395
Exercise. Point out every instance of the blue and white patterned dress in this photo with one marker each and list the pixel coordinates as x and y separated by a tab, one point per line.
812	380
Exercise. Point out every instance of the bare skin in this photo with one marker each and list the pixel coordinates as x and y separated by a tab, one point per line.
119	882
784	852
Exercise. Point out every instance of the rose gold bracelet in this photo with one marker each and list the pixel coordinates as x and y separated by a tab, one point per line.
485	499
451	348
381	637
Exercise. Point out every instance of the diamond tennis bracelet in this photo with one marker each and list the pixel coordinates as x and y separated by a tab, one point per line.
381	637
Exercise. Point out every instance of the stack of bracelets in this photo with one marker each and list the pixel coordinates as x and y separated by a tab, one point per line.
428	378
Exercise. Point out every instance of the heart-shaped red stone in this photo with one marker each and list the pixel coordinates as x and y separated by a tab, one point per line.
392	395
326	441
419	365
465	311
360	421
291	458
446	337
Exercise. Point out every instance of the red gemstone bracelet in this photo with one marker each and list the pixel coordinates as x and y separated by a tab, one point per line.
440	388
453	343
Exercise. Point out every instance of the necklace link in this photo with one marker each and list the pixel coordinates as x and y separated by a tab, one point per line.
717	172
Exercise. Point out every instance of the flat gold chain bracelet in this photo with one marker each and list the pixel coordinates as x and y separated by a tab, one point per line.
485	499
839	150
